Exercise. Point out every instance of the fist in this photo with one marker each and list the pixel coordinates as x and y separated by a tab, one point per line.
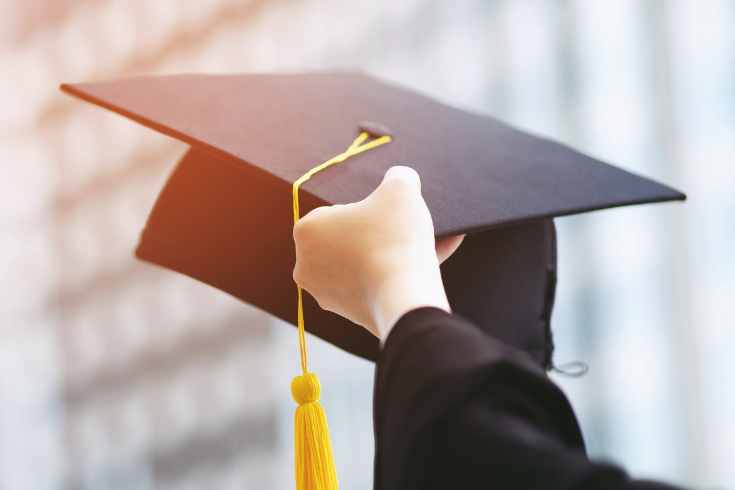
376	259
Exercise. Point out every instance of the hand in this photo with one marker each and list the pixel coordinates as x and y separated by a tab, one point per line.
376	259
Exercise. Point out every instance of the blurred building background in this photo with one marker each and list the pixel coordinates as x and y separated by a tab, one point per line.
118	375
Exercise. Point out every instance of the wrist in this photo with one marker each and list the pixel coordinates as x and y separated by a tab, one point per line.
406	291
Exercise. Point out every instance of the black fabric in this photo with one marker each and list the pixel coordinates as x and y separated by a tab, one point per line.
504	281
224	217
477	173
456	408
497	278
247	251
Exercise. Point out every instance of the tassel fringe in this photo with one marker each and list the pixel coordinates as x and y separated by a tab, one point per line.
314	461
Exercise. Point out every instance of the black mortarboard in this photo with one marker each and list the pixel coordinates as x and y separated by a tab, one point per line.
225	215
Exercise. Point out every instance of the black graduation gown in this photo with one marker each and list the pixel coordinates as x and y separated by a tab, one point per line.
457	409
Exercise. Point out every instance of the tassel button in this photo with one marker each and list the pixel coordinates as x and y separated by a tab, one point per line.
305	388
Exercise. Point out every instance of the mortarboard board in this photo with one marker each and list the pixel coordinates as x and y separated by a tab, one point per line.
225	214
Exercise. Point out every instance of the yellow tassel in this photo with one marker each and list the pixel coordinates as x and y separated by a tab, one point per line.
314	460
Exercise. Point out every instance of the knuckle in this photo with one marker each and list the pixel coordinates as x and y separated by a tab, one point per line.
302	230
298	274
324	304
316	214
308	225
303	280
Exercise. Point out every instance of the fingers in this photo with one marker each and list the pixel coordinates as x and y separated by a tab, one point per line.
447	246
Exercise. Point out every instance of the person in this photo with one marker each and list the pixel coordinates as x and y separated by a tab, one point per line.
454	407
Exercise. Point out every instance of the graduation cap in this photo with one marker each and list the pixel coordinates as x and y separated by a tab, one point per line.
225	214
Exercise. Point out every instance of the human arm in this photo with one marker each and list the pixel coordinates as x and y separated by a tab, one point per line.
454	407
376	259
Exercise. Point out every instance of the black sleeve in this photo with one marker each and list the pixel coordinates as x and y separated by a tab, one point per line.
458	409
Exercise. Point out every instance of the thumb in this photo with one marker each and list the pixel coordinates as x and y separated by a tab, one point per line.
404	174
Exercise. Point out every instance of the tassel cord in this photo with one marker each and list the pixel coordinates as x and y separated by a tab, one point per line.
314	462
355	148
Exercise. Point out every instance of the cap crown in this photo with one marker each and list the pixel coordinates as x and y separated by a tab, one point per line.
225	215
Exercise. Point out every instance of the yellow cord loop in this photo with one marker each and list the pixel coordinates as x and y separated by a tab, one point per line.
354	149
314	461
